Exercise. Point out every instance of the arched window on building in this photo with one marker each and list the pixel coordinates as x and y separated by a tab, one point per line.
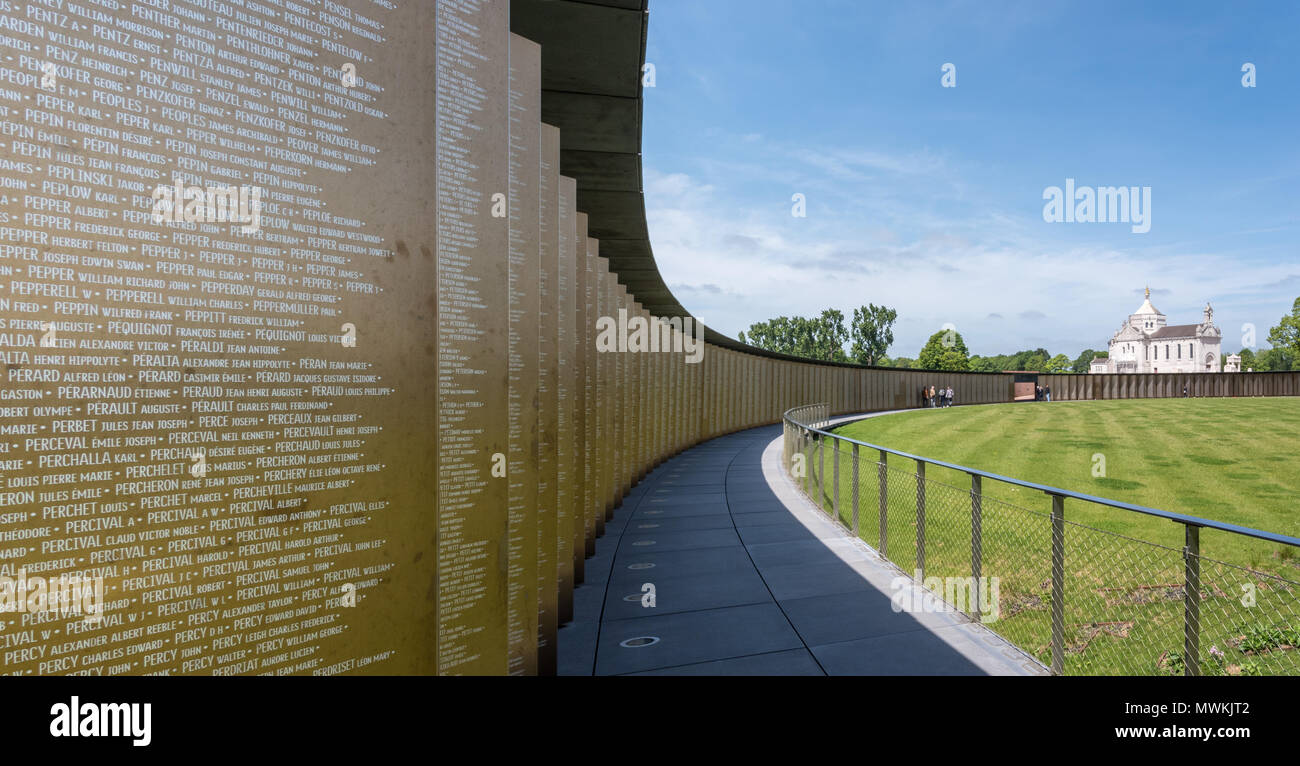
1166	351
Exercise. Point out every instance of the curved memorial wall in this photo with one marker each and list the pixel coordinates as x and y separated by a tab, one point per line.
314	360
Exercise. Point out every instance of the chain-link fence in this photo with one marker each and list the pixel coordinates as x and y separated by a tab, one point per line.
1083	600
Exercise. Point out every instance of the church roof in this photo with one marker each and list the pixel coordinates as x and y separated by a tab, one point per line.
1146	307
1176	331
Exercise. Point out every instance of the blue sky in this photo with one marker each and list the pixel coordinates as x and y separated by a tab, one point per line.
930	199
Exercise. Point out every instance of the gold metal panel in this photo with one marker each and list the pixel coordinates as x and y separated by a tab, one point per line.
548	373
571	342
473	280
524	314
604	454
586	401
234	425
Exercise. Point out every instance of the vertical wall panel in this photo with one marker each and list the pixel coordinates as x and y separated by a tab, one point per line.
683	388
675	378
473	284
524	309
597	412
606	449
645	417
674	387
726	388
638	406
622	389
569	415
585	399
548	372
661	404
619	391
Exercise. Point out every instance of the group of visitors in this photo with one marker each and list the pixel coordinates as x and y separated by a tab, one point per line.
1042	393
932	397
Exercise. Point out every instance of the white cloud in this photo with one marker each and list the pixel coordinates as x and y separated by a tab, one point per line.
733	265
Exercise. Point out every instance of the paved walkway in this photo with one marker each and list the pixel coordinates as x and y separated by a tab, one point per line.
751	579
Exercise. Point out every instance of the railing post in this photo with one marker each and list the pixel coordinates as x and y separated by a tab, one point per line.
884	503
920	518
1192	602
821	472
976	540
855	490
835	478
804	449
1058	585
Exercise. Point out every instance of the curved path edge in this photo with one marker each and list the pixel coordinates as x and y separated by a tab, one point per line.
749	577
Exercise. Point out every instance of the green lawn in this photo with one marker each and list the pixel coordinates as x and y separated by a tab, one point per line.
1232	460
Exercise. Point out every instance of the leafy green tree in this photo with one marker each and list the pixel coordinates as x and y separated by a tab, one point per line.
781	335
1274	360
1247	359
872	331
829	336
904	363
1285	340
1083	362
945	350
1059	364
1032	360
818	338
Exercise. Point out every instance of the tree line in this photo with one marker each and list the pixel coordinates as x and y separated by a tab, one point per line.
1285	341
823	337
871	333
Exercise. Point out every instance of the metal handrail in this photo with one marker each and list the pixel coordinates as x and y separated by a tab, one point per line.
1179	518
810	437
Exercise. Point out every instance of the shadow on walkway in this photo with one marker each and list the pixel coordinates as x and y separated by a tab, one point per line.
751	579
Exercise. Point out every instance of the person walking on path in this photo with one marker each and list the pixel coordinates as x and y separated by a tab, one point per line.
925	396
1048	392
948	397
932	394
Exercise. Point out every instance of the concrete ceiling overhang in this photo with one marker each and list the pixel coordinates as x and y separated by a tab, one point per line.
592	57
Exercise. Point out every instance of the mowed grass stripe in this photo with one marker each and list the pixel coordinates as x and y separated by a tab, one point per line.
1230	460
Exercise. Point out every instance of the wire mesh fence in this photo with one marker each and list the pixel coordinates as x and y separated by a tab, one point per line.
1084	601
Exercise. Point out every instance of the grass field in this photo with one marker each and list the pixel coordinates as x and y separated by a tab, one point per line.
1231	460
